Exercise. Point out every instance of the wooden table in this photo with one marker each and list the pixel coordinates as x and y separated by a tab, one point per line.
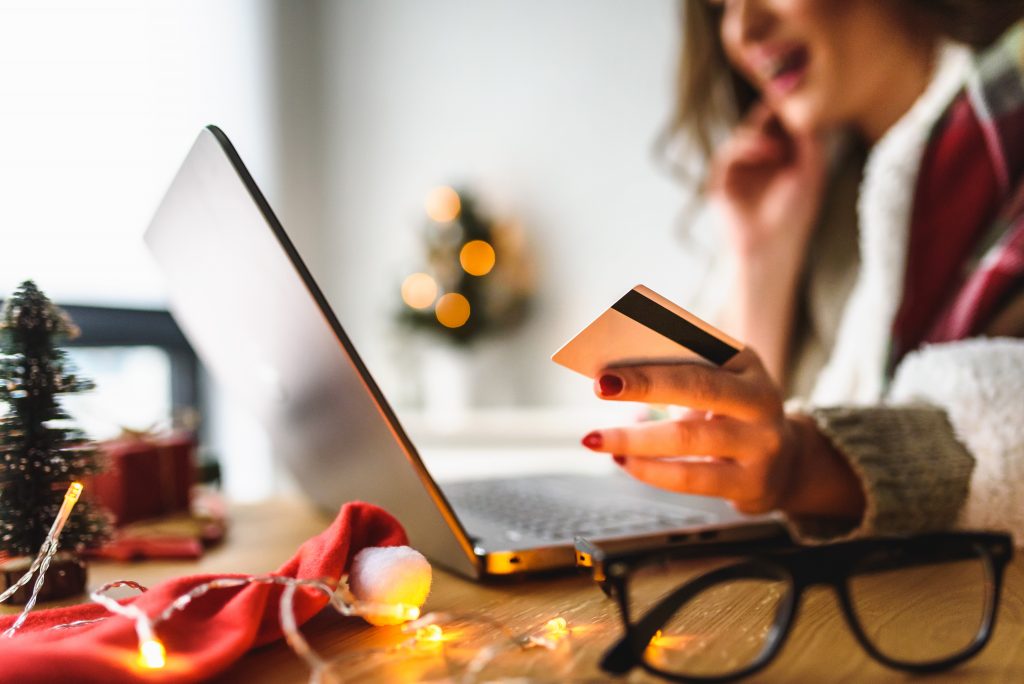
820	648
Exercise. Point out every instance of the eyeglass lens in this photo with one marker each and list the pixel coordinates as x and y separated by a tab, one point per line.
920	606
914	605
721	630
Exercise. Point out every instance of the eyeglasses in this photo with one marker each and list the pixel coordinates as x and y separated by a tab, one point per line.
919	604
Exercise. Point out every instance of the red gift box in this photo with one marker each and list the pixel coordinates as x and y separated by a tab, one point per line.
146	476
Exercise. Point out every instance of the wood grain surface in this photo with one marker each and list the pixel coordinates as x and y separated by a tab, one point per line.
503	615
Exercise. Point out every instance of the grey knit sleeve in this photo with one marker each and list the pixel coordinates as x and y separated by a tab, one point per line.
914	471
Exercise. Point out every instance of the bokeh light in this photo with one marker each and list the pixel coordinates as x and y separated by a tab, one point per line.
443	204
152	654
430	634
557	626
477	258
419	291
452	310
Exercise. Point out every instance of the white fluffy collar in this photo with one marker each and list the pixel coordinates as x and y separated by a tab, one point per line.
855	371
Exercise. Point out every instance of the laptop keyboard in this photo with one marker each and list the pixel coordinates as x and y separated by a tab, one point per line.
542	509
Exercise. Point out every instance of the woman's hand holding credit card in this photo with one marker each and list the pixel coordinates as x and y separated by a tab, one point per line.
736	442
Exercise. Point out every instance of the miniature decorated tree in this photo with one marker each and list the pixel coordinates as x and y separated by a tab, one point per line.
41	453
476	279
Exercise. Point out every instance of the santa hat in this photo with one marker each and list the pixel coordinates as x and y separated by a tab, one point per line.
219	626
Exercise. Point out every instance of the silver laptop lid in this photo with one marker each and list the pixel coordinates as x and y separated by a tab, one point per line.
248	304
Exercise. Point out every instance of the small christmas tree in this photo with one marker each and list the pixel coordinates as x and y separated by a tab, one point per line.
476	280
40	452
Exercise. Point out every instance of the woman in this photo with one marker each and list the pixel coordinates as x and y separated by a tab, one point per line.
873	195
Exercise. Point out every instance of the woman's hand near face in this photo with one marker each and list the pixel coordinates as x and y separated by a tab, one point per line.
767	185
745	449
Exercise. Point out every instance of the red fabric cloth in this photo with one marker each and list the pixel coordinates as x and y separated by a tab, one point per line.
957	196
204	639
986	289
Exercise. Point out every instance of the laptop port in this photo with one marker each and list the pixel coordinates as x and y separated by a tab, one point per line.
707	534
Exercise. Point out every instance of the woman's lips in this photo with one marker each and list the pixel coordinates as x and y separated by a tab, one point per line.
785	71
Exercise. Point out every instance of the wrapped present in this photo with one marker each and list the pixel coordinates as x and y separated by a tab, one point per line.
147	475
180	535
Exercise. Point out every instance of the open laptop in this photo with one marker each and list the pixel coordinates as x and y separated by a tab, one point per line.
247	303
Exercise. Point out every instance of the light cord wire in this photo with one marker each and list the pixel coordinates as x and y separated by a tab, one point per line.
153	655
41	563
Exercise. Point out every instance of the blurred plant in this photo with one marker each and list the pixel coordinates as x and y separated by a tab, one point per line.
476	278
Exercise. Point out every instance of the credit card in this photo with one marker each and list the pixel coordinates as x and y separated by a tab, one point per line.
644	327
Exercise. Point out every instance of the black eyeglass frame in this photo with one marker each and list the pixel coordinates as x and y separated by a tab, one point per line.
801	567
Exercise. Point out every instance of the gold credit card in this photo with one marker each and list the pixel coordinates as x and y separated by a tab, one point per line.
644	327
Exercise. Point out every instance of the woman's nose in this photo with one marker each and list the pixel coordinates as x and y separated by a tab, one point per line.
752	19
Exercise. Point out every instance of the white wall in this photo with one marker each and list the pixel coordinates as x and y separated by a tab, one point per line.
548	109
101	101
346	112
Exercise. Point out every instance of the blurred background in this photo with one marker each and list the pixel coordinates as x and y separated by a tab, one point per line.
544	117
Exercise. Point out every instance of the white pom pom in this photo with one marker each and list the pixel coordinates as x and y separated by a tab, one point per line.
389	575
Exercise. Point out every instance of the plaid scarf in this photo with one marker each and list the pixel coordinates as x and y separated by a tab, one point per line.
967	228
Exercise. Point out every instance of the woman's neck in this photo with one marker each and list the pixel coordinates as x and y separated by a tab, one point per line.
897	94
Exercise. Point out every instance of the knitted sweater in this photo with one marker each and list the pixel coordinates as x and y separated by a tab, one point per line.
943	443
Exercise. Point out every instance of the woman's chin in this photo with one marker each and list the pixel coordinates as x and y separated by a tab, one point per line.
800	117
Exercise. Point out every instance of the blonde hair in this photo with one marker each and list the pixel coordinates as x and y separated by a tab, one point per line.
712	96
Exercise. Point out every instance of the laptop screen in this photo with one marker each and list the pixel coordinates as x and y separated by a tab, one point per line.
263	328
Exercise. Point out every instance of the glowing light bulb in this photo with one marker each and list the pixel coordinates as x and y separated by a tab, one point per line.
419	290
406	613
452	310
443	204
431	634
152	654
477	258
70	499
557	626
660	642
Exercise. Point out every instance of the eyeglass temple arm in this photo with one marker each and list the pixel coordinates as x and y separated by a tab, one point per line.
625	653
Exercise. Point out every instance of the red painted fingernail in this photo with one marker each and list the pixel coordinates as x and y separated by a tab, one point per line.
620	459
593	440
610	385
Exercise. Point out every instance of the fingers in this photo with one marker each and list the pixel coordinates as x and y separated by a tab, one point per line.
720	436
707	478
762	126
744	361
758	115
748	147
741	388
761	144
740	438
761	119
806	149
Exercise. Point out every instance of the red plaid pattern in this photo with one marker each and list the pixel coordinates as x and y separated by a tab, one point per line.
992	268
1000	272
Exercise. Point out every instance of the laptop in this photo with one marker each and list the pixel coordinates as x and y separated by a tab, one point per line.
260	324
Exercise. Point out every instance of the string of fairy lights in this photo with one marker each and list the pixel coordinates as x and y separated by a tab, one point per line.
425	632
422	292
41	563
